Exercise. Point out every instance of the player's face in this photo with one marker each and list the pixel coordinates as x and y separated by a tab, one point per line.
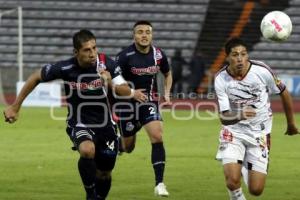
87	54
143	35
238	60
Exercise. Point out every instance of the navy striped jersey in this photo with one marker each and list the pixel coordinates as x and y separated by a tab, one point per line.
88	105
141	69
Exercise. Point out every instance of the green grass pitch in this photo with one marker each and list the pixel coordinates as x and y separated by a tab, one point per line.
36	162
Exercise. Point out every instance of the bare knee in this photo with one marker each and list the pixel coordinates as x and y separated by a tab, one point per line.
128	143
256	191
156	138
87	149
233	183
128	148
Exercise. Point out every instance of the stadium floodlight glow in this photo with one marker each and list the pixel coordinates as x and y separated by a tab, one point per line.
20	37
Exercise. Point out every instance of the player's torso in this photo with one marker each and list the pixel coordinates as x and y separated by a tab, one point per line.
250	91
86	95
141	69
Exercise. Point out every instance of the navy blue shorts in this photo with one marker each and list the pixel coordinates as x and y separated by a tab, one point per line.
105	140
132	116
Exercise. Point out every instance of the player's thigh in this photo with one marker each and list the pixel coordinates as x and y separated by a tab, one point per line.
83	140
106	144
257	157
154	131
256	182
231	149
129	128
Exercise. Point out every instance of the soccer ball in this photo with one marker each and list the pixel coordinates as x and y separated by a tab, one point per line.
276	26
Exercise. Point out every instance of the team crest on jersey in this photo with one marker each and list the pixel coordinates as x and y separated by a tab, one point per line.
129	126
158	54
101	65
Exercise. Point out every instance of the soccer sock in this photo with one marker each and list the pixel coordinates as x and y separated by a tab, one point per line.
158	158
102	187
236	194
87	171
245	175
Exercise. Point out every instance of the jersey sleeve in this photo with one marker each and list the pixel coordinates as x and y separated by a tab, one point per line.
223	99
113	68
274	84
51	72
121	60
164	65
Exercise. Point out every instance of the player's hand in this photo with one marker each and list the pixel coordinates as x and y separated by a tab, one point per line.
248	112
105	75
139	95
292	130
10	114
167	99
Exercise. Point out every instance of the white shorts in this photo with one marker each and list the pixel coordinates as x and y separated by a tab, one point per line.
236	150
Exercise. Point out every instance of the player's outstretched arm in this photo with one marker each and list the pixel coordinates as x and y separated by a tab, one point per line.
289	114
11	112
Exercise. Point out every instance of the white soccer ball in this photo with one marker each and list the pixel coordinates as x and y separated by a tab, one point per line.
276	26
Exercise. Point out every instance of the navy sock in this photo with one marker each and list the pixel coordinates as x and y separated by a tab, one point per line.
102	187
87	171
158	158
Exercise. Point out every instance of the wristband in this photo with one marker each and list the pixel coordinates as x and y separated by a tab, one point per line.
132	92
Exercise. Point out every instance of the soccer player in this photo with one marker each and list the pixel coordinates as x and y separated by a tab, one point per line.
140	63
243	87
89	122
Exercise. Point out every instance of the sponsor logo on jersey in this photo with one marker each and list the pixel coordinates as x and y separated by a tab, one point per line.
93	85
145	70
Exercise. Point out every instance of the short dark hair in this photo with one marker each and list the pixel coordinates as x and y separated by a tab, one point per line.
142	22
82	36
234	42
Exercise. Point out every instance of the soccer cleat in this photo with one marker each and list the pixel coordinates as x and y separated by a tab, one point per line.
161	190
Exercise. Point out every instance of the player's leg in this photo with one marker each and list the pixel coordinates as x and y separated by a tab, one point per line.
106	152
231	152
256	182
128	127
232	173
103	184
158	155
257	158
83	140
128	143
128	130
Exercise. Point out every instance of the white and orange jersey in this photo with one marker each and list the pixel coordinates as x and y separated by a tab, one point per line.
253	90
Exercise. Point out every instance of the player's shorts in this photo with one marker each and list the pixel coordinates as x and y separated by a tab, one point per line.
134	116
236	150
105	140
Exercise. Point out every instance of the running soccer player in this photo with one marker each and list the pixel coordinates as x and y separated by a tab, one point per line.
140	63
89	122
243	87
